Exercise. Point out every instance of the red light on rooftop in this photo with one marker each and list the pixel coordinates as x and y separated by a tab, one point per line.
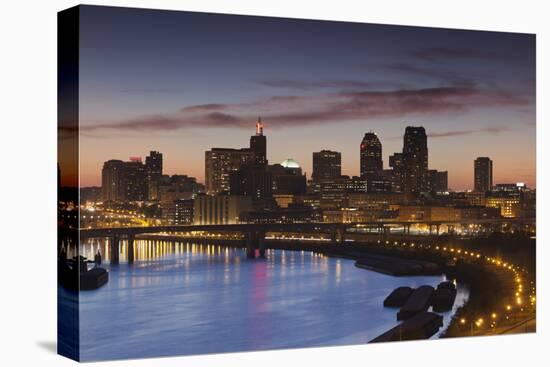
135	159
259	127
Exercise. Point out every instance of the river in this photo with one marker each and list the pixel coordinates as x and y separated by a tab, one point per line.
182	299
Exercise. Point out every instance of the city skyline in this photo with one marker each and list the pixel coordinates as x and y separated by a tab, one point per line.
357	173
479	92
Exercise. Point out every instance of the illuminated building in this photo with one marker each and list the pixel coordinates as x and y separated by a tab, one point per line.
427	213
220	209
285	216
135	176
333	192
476	198
368	200
283	200
379	184
370	156
397	173
415	161
446	213
288	178
509	205
479	212
219	163
254	181
177	187
356	184
112	181
291	166
258	144
350	215
311	200
517	187
153	164
483	174
179	212
326	164
124	181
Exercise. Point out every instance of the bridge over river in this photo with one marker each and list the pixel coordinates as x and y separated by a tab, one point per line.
254	234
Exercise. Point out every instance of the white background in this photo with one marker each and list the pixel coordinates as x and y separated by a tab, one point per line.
28	180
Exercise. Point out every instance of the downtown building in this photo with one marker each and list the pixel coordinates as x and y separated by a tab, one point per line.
409	173
153	165
221	163
175	195
255	179
288	178
370	162
220	209
438	181
179	212
483	174
124	181
415	162
326	164
131	180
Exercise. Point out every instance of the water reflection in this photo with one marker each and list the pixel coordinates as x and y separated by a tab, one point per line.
185	298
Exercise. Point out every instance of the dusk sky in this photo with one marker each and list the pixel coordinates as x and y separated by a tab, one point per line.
182	83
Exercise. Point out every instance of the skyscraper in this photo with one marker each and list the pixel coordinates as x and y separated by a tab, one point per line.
258	144
370	156
124	181
326	164
415	161
135	177
398	172
483	174
220	163
112	181
153	165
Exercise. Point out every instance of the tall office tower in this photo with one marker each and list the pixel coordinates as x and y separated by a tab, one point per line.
415	161
153	164
258	144
483	174
113	187
326	164
397	172
219	163
135	177
371	156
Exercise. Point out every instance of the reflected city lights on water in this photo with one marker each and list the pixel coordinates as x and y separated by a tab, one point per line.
147	250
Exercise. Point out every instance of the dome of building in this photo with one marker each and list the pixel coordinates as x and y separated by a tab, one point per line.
290	163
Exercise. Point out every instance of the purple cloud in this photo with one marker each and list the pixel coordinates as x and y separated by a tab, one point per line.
287	111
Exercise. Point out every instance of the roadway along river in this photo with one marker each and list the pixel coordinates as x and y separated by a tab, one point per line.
191	299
